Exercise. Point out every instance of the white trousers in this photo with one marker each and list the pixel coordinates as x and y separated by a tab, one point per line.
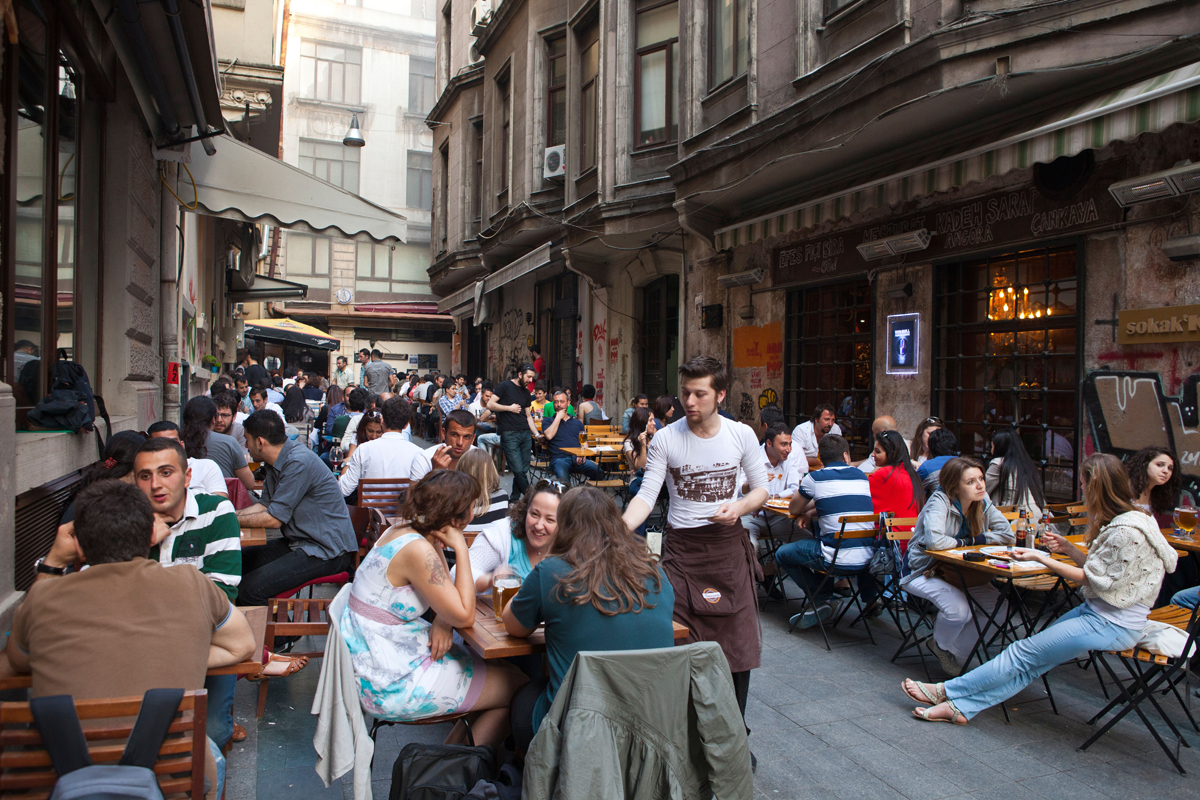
757	526
954	629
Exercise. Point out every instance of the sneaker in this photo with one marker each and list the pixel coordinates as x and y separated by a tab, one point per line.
947	659
809	618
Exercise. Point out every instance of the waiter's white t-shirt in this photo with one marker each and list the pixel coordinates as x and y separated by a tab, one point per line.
703	472
206	477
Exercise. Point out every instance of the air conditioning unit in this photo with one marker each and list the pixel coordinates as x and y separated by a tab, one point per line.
473	54
481	13
747	278
554	162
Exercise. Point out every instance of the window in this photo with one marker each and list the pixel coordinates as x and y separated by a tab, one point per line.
382	270
589	62
828	335
557	302
657	78
330	72
443	195
421	95
505	131
1006	353
307	262
46	191
728	24
330	161
834	6
420	179
477	179
556	91
660	332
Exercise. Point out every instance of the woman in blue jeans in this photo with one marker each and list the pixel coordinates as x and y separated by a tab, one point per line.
1126	559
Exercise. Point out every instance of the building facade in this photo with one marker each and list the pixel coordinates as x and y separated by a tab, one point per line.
371	60
890	208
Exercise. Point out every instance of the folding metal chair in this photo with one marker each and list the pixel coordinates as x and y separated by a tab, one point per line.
829	575
1150	674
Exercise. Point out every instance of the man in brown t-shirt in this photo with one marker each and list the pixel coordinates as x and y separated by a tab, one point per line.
123	624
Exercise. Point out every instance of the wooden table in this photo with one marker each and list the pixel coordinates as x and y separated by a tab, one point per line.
488	638
781	508
253	537
582	452
255	615
1188	544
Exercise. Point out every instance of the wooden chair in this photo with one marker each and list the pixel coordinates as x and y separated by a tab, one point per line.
901	610
829	574
1006	510
1150	674
598	430
27	774
385	494
293	617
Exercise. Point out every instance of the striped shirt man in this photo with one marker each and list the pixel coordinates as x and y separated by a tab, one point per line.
841	490
208	537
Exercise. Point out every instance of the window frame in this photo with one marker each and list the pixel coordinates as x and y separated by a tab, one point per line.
504	96
477	196
638	54
556	91
443	199
408	170
713	83
343	151
315	96
590	35
317	293
428	83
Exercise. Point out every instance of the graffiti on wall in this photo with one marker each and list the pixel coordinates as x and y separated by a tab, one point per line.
747	409
512	346
1128	410
769	397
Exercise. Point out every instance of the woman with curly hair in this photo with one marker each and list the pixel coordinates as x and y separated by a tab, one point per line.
1154	478
599	589
408	668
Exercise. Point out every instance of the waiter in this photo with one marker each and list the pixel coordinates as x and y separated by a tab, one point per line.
706	552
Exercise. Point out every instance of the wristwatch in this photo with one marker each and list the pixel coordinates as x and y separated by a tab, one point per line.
40	566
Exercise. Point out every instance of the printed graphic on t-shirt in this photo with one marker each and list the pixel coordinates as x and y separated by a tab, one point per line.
705	485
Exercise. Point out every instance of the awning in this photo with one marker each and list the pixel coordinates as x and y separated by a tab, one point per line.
522	266
288	331
457	303
265	288
245	184
1146	107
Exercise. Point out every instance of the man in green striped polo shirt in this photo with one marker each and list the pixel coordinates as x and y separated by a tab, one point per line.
197	529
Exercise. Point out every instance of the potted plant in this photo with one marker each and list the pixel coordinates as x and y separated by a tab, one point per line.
212	363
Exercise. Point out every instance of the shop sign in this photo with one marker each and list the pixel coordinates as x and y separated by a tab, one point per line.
995	221
902	344
1155	325
173	373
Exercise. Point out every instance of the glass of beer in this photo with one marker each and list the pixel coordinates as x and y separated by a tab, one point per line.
1185	517
505	585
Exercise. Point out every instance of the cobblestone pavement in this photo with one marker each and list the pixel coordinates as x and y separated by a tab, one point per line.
824	725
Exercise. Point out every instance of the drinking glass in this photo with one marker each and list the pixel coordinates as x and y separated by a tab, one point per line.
1185	517
505	585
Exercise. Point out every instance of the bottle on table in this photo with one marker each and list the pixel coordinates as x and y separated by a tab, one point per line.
1043	540
1025	527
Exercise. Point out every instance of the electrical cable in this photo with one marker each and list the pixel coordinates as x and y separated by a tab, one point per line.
195	192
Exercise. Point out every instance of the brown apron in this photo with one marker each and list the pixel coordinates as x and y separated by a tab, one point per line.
713	572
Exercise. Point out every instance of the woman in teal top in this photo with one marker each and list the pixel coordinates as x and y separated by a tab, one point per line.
599	589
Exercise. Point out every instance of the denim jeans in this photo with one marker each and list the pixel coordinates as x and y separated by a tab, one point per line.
490	441
800	560
563	466
275	568
1188	598
219	762
1075	633
518	450
219	723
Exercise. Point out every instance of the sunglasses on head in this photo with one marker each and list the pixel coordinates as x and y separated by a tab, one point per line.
373	415
933	421
548	486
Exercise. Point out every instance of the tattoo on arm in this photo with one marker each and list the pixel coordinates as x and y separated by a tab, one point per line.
437	573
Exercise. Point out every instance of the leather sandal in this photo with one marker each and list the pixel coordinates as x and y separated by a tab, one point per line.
239	733
928	693
956	717
280	667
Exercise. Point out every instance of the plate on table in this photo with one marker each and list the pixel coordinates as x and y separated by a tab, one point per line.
1000	551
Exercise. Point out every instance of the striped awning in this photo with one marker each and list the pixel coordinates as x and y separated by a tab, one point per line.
1146	107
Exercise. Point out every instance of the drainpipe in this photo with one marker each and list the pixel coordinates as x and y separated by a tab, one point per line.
168	290
131	15
171	7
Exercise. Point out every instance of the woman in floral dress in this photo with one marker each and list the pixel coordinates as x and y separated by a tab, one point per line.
406	667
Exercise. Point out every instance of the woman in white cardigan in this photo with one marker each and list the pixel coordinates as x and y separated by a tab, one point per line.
521	540
1120	574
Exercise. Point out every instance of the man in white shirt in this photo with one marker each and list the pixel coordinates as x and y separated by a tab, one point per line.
458	436
342	376
206	475
389	456
485	420
356	404
881	424
782	481
259	398
706	553
807	435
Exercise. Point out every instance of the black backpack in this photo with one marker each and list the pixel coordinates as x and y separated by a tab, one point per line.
71	405
131	778
440	771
